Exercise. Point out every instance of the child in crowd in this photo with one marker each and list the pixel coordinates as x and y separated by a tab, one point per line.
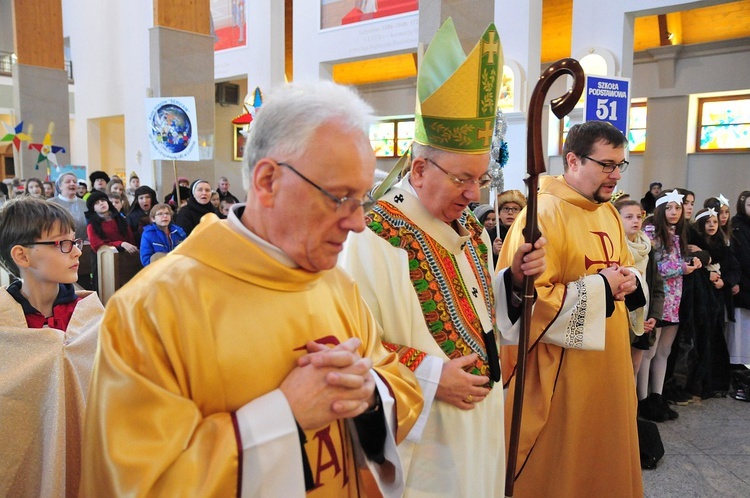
721	206
34	188
106	226
215	200
161	235
666	233
48	189
138	218
48	338
693	314
119	202
224	206
723	274
642	320
738	333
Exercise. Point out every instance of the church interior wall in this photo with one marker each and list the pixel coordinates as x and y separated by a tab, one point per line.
111	68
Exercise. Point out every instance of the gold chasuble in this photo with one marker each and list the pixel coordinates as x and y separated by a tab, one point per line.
204	334
578	433
44	378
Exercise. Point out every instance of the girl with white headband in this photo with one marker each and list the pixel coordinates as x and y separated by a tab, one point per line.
666	232
721	206
722	274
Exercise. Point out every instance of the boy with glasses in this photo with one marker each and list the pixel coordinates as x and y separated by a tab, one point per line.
48	339
161	235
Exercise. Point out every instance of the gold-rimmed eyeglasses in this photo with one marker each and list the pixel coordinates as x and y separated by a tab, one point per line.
482	182
65	245
347	205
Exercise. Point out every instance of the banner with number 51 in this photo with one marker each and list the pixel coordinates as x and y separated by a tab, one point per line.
607	99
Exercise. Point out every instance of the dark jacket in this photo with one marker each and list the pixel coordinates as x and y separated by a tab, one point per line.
740	247
191	213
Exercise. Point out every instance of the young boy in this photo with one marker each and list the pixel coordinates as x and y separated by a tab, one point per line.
48	338
161	235
224	206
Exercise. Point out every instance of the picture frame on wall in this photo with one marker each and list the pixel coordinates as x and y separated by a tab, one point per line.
238	151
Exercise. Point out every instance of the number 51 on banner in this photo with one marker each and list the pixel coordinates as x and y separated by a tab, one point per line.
607	99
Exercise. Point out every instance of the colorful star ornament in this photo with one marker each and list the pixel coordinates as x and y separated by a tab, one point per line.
15	135
47	151
673	196
723	201
247	118
708	212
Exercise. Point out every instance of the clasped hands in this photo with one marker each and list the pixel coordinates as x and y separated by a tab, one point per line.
621	281
329	384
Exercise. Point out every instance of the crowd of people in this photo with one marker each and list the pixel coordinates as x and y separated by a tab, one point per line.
109	213
365	348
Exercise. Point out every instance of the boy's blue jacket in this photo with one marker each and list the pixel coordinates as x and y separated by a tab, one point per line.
154	240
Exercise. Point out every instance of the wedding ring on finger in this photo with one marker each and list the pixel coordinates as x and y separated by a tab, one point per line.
469	398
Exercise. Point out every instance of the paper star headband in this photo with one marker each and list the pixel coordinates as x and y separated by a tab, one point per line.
707	212
673	196
456	94
723	201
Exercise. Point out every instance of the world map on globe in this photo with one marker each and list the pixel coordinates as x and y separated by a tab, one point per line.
171	128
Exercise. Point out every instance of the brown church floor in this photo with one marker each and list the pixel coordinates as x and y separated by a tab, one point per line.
707	452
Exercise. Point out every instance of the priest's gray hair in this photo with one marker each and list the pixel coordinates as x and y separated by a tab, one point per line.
284	125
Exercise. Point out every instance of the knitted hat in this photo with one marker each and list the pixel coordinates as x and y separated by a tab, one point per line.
98	175
94	196
456	94
481	212
511	196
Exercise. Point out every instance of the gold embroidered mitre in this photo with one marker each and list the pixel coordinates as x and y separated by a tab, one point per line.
456	94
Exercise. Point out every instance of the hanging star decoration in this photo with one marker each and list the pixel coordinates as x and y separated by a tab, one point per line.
723	201
673	196
47	151
707	212
250	111
498	152
15	135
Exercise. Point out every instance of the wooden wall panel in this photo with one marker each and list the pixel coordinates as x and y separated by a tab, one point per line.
720	22
192	16
38	33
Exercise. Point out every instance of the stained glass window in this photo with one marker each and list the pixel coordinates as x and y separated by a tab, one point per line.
724	123
391	138
637	128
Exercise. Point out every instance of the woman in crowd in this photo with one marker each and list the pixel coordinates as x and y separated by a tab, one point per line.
198	205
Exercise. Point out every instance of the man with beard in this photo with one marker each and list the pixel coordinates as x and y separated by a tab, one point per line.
578	432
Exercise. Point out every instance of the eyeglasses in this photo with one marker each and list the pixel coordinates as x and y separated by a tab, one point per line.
482	182
65	245
507	209
347	205
609	167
